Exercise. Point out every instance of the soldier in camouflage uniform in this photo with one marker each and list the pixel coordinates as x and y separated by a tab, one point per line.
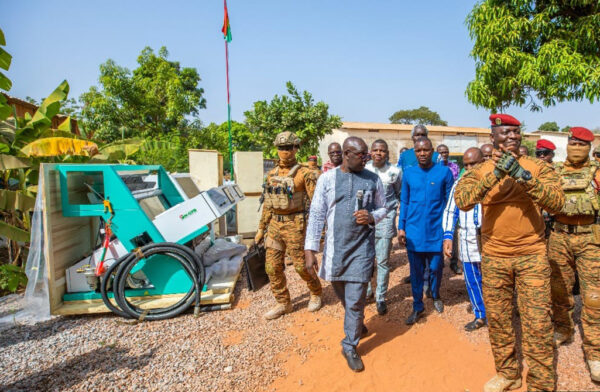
312	164
287	190
574	246
511	190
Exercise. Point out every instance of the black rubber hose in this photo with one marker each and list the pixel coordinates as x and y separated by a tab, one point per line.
104	280
186	257
153	314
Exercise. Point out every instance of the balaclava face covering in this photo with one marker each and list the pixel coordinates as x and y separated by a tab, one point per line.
577	153
287	158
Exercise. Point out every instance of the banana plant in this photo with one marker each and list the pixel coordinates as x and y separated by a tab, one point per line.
122	150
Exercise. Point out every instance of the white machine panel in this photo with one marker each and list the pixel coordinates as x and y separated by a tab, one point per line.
187	217
184	219
77	282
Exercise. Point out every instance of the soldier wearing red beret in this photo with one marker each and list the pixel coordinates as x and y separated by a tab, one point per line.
544	150
574	246
313	164
511	189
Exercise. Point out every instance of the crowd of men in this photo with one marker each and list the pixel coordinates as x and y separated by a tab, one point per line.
520	225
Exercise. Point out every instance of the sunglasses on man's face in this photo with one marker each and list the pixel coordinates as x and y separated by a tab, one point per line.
285	148
597	154
542	153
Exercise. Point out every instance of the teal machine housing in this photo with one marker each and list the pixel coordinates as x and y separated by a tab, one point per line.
129	222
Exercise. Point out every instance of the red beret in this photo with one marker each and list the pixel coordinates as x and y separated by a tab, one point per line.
503	119
543	143
581	133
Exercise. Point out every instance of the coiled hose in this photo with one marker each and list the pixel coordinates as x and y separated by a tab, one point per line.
119	271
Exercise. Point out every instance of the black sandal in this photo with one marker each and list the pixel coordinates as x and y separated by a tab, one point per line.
476	324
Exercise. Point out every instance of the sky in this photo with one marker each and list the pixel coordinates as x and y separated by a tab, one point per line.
366	59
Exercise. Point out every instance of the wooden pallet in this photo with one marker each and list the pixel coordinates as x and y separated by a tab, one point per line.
219	291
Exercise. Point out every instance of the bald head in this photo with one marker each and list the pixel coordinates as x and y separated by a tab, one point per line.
354	142
474	153
333	146
472	157
486	150
355	154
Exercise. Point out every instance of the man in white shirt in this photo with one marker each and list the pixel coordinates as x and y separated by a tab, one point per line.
391	177
470	252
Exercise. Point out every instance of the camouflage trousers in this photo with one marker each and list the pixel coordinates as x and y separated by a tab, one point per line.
530	275
287	237
566	253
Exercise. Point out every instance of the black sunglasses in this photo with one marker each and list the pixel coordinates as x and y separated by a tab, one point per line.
597	154
541	153
285	148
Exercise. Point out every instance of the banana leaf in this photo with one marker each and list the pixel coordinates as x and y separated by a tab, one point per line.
5	109
65	125
13	233
123	148
5	59
2	39
42	118
11	277
13	201
58	133
5	83
9	162
56	146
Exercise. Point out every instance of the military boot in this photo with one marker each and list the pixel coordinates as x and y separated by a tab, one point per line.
278	311
561	338
594	370
314	303
500	384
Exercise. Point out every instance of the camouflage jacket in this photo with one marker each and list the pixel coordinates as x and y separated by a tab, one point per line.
305	180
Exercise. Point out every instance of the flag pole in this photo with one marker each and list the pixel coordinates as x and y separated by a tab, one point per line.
229	111
228	98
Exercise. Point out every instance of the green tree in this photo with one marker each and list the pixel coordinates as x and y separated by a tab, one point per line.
296	112
530	146
216	137
565	129
549	127
534	52
156	98
422	115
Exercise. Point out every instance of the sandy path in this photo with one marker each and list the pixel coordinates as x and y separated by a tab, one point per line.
436	354
427	357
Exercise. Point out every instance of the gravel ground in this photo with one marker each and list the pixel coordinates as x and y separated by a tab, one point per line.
232	350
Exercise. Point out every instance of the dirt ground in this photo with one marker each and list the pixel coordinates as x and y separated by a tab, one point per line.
237	350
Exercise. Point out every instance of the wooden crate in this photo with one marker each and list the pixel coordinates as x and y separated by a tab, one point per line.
219	291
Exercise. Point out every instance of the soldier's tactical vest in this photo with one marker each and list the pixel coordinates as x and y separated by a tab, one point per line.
280	192
580	195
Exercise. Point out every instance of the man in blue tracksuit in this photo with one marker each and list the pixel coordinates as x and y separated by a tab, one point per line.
425	191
